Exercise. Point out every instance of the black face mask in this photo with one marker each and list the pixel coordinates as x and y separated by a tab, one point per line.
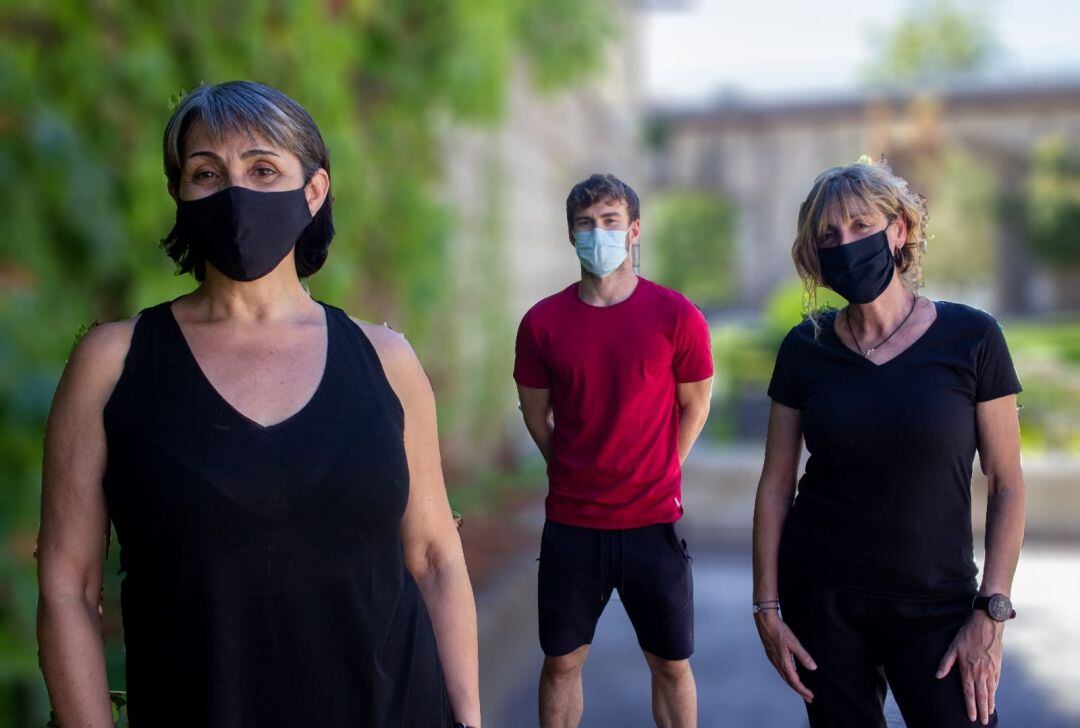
859	271
244	233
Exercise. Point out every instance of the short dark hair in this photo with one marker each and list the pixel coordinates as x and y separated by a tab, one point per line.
249	107
600	188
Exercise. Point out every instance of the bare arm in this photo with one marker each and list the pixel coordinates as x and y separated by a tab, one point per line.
74	522
776	491
536	409
999	456
694	398
977	648
433	553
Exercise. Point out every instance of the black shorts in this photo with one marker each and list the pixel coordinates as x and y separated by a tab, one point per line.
860	641
650	566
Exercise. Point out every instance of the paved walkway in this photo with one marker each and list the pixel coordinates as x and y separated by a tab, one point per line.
737	686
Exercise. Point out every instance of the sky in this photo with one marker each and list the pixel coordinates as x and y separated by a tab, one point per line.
769	48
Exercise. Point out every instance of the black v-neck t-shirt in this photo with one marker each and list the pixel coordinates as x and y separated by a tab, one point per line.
885	503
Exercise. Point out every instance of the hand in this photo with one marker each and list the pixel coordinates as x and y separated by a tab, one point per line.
976	651
783	648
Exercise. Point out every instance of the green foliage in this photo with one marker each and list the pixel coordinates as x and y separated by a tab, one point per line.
693	239
744	352
1047	357
960	247
787	306
85	91
1052	203
937	39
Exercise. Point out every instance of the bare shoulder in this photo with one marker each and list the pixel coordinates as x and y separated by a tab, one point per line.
396	355
106	340
98	358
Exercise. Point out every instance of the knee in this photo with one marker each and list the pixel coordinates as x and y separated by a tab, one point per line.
668	670
565	666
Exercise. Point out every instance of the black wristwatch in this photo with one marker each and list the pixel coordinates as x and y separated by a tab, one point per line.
998	606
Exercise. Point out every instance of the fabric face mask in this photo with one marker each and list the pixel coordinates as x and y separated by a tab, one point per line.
600	251
243	233
859	271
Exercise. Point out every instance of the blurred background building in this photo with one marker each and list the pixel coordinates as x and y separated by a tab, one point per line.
971	146
456	130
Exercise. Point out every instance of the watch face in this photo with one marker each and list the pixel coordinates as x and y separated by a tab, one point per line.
1000	607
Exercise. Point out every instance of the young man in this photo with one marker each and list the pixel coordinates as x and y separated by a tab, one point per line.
614	375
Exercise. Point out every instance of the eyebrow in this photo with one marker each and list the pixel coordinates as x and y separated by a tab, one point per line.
245	155
853	216
603	215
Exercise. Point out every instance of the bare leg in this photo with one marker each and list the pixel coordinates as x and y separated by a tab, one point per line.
674	693
561	698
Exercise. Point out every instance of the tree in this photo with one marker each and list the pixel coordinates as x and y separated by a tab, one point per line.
694	246
937	40
84	96
1052	204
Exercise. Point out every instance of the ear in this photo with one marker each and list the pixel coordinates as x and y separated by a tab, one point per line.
174	192
316	190
900	223
633	233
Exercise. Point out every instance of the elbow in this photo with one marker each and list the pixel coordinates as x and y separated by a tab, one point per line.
706	407
428	564
421	564
1007	485
54	603
696	411
62	588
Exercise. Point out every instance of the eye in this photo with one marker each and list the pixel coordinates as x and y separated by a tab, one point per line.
265	171
204	175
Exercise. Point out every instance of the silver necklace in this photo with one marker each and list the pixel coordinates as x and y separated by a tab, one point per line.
867	352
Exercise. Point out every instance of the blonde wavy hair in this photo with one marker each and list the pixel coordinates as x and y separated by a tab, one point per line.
851	189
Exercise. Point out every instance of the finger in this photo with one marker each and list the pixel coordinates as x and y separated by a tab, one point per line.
802	655
969	695
778	664
982	701
782	671
946	663
791	676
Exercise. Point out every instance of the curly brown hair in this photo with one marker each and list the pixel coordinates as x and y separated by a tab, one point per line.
849	188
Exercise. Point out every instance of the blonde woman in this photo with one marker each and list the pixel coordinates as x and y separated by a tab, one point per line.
867	576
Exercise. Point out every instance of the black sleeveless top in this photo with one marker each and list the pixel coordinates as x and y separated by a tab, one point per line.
264	581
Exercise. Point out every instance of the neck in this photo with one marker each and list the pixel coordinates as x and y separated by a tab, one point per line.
609	290
276	296
881	316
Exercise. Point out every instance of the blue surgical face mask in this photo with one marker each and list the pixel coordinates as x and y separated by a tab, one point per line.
601	251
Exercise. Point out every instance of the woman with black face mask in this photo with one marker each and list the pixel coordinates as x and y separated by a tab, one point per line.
270	465
867	578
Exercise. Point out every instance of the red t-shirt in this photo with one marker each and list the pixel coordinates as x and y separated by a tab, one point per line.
612	372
